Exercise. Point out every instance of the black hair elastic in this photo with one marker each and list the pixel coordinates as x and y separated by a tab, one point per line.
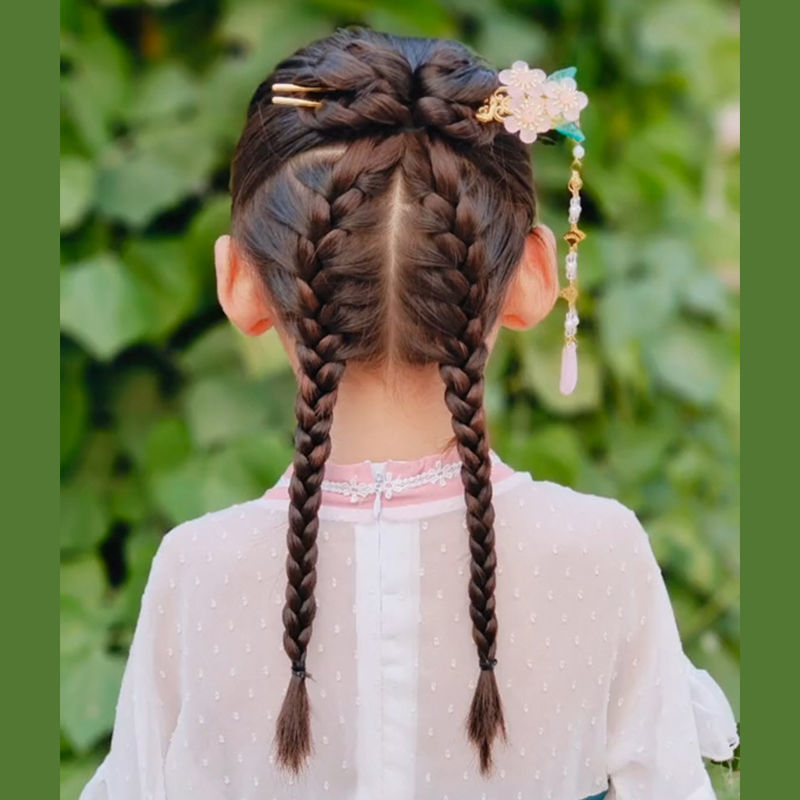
299	670
488	663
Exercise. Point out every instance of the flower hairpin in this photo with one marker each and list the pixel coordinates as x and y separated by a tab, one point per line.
529	103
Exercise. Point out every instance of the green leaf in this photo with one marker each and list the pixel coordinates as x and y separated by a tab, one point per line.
140	549
263	355
163	268
127	499
554	454
594	479
689	38
98	456
635	311
103	306
134	186
679	549
567	72
726	781
636	453
226	90
266	457
74	776
265	27
673	262
137	404
220	410
730	395
74	403
704	292
168	444
76	190
266	32
411	18
181	145
505	38
571	130
155	170
89	691
83	583
689	361
81	631
211	221
214	352
84	518
166	90
223	348
204	483
95	86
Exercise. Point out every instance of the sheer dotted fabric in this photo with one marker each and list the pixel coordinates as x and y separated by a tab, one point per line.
599	698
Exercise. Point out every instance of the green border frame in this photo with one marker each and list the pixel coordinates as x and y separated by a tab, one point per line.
770	283
30	335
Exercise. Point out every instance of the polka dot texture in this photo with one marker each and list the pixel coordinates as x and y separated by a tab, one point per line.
596	689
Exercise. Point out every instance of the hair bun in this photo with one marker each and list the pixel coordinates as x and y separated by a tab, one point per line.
367	86
451	85
370	85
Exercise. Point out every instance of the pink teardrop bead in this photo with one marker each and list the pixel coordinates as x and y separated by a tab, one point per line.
569	368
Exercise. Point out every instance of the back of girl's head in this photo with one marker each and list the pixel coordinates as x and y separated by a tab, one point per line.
386	225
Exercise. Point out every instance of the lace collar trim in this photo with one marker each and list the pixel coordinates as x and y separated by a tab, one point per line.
423	479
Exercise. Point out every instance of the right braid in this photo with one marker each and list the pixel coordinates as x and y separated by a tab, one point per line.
464	396
463	268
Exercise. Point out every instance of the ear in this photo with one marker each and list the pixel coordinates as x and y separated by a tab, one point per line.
240	291
534	289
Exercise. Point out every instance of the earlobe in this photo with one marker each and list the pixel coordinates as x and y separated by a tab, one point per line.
222	266
534	289
239	290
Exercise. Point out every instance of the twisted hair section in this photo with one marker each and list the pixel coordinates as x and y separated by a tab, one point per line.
319	199
453	212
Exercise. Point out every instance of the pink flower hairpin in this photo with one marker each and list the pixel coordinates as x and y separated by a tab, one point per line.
528	103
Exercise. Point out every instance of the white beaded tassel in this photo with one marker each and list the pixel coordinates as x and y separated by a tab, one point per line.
574	236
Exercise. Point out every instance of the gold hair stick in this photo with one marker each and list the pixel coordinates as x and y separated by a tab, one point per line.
285	88
296	101
293	87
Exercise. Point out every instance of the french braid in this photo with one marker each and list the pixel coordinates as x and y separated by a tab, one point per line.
335	193
317	199
459	239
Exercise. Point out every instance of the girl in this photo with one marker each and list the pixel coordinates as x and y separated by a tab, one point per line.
442	626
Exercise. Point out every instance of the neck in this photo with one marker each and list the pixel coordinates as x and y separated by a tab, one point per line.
390	415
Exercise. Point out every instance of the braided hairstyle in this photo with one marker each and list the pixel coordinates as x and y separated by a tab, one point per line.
319	198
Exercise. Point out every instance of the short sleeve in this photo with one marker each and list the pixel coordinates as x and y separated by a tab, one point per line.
654	750
149	698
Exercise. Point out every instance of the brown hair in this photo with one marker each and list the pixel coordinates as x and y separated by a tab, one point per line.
318	199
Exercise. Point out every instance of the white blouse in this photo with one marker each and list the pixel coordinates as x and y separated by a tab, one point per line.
599	699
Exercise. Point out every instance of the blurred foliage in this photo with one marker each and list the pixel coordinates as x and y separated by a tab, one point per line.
167	412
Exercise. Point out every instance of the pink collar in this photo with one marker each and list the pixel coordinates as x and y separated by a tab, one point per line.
433	477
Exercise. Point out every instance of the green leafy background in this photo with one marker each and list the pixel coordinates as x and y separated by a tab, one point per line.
167	412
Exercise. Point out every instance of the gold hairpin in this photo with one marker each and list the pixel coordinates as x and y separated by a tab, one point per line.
279	88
